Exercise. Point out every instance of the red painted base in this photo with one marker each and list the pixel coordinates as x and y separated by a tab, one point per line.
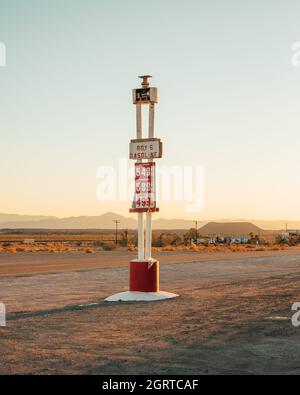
144	276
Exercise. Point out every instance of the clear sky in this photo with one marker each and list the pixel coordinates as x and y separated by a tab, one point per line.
229	101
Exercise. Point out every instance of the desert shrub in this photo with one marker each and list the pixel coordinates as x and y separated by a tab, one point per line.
21	248
169	248
156	241
281	240
132	248
97	243
156	249
190	235
183	248
124	238
261	249
11	250
166	239
211	249
280	246
109	246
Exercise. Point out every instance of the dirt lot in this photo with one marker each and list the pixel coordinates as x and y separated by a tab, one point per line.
232	316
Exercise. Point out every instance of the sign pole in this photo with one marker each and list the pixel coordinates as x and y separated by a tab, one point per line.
144	271
139	121
139	135
149	214
148	236
141	236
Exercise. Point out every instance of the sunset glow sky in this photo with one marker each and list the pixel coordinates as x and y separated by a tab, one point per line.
229	101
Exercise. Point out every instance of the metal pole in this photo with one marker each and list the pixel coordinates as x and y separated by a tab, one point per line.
141	236
138	121
151	120
139	135
116	233
148	235
149	215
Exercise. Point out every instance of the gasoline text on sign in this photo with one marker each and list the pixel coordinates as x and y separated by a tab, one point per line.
145	149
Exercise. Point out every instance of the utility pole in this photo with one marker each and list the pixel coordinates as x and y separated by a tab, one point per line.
126	236
196	226
116	221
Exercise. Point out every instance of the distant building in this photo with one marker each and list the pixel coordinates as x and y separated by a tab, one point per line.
291	234
239	240
294	232
222	240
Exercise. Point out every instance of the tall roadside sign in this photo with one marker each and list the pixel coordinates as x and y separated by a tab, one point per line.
144	150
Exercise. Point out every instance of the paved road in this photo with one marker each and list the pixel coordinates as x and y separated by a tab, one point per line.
28	264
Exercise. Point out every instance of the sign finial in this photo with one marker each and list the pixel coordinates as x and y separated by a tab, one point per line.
145	82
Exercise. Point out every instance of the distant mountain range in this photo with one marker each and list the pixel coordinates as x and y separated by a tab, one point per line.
105	221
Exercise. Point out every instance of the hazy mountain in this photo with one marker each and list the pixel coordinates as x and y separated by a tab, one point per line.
229	228
163	223
277	225
105	221
22	218
270	225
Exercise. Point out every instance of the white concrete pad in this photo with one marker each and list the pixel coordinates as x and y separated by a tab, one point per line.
140	296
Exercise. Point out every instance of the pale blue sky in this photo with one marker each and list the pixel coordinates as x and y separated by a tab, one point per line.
229	100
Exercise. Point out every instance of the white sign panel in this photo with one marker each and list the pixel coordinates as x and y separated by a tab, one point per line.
145	149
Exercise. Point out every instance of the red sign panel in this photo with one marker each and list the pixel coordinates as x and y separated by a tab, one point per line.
144	196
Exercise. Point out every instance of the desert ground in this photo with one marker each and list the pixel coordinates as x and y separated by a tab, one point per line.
233	315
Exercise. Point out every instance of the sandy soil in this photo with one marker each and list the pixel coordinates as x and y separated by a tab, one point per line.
219	324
